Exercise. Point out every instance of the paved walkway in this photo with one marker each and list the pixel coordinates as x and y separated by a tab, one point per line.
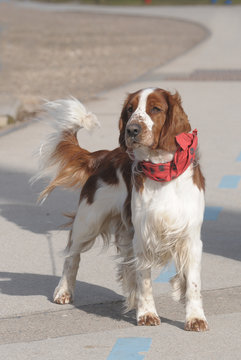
32	327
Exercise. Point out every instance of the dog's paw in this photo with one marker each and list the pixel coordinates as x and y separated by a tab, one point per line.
62	297
196	325
148	319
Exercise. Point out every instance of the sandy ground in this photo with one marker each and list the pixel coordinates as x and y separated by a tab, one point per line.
52	55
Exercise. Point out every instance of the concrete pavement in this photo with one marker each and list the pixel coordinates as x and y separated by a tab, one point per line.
32	327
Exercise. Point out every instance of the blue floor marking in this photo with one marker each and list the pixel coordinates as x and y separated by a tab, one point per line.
166	274
229	182
212	212
239	157
129	348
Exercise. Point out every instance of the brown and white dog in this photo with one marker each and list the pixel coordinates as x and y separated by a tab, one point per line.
153	219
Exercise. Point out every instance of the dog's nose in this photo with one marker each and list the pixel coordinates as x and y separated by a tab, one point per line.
133	130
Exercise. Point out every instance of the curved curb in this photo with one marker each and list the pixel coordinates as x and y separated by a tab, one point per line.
107	10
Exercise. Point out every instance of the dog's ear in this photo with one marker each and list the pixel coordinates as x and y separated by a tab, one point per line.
176	122
122	124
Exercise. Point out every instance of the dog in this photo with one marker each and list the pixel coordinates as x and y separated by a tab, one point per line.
148	193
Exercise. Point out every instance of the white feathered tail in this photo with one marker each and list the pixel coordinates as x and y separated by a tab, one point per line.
60	155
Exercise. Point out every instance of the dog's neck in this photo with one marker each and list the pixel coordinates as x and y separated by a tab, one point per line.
154	156
163	166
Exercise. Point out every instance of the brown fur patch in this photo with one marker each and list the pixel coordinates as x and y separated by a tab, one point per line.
75	164
139	180
131	102
126	170
65	298
196	325
107	172
149	319
157	108
198	178
176	122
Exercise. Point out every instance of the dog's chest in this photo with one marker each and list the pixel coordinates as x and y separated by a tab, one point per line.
166	207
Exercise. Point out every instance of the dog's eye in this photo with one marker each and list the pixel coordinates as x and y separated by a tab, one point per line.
155	110
130	109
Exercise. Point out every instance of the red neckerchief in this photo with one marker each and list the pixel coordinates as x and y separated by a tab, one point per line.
183	157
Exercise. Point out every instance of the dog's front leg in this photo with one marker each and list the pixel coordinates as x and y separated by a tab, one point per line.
195	318
146	309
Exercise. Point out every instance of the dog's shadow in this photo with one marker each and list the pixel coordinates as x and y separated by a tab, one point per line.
93	297
175	323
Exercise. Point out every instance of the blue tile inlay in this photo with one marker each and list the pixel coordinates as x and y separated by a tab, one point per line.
212	212
166	274
129	348
239	157
229	182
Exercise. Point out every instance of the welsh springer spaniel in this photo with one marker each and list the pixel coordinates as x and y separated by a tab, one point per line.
148	193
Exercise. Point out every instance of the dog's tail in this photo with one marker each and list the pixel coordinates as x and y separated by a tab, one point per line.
60	155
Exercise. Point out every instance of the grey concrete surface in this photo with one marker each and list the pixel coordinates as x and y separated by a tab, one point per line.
168	342
32	327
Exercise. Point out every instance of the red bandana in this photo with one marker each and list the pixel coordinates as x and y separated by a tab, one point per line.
184	156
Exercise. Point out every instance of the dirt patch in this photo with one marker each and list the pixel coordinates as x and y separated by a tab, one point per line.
51	55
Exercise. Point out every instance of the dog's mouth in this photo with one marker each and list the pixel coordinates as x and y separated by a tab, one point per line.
130	153
132	142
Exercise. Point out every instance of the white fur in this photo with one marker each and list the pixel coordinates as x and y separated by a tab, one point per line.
70	115
145	301
108	203
63	115
167	219
161	156
141	109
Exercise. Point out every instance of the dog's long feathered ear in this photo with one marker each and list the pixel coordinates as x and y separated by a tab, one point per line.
122	124
176	122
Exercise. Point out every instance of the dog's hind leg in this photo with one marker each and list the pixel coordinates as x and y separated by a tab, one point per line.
91	220
79	241
64	292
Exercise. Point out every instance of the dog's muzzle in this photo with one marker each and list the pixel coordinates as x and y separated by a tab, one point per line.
133	130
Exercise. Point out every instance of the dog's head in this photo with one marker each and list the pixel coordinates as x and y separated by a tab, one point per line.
151	118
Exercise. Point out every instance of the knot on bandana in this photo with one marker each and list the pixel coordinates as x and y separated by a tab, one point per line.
183	158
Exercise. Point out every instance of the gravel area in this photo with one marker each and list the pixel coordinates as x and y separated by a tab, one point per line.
52	55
